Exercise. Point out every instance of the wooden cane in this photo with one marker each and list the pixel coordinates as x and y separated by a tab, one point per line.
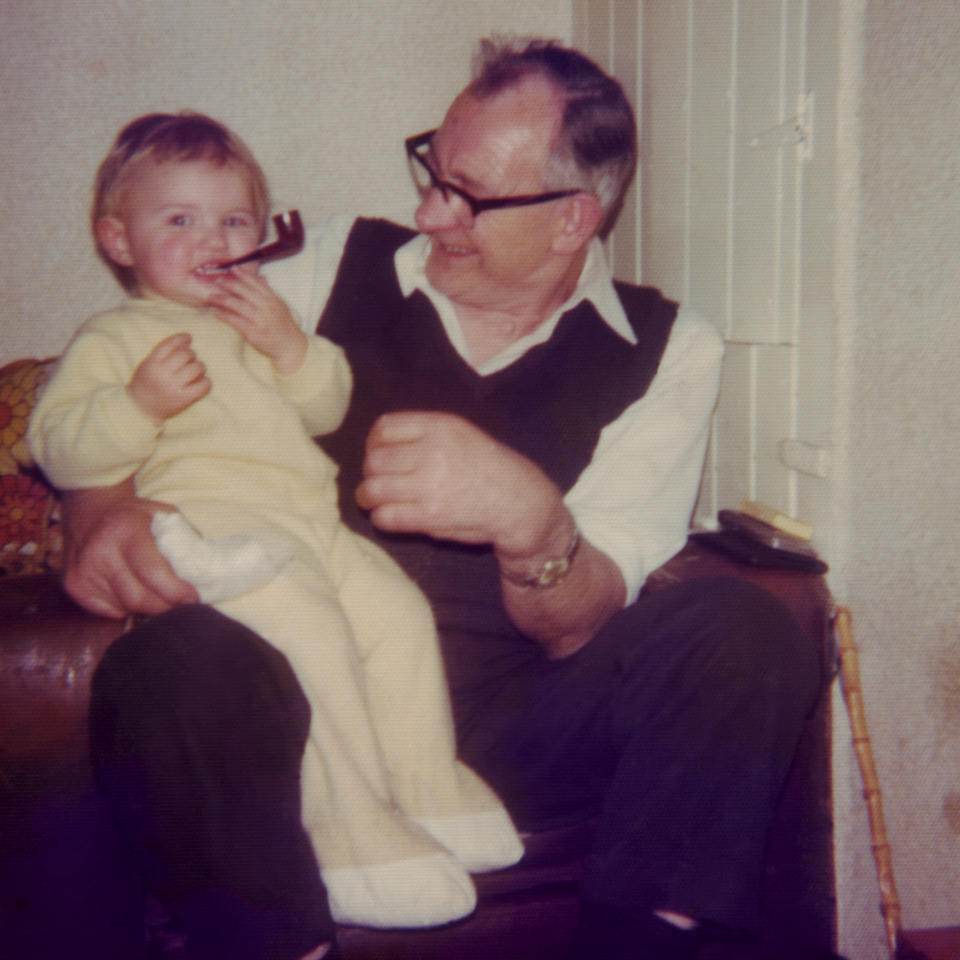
853	696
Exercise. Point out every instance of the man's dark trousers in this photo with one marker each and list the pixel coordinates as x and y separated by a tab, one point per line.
675	726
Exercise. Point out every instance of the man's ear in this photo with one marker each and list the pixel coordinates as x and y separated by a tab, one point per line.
112	237
578	224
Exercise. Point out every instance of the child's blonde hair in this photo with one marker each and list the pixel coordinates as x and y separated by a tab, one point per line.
165	138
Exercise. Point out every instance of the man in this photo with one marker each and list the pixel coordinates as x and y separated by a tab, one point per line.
526	439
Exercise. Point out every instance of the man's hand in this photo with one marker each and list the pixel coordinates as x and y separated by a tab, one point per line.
170	379
246	302
435	473
113	567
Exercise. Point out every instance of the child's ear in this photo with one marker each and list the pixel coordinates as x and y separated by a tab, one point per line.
112	237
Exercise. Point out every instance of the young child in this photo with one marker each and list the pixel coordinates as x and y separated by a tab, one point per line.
211	410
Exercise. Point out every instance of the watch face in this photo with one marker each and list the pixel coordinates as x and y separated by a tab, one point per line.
553	572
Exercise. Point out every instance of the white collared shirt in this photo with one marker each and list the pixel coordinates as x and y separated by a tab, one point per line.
594	285
634	500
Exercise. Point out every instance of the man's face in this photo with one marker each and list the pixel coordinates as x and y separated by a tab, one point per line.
498	147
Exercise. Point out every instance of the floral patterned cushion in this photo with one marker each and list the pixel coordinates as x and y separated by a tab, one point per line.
30	537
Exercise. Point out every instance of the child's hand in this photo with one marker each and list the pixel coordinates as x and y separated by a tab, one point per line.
246	302
170	379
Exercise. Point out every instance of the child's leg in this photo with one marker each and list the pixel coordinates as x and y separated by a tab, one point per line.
410	709
379	868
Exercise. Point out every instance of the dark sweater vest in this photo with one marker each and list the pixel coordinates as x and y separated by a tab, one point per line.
550	405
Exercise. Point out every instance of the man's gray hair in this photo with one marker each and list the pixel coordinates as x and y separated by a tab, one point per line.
597	146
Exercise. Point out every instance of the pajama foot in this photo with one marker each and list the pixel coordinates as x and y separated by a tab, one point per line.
422	891
480	841
219	568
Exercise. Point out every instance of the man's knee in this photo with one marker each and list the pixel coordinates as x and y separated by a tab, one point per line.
761	650
192	644
762	627
194	667
727	625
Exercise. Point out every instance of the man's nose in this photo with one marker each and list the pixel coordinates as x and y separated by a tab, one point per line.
439	213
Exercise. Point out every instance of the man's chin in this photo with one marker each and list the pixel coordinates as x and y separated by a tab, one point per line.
441	273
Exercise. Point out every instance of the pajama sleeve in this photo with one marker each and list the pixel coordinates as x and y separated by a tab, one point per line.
320	389
86	430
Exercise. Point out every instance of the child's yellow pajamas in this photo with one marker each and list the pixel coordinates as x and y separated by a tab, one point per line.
395	819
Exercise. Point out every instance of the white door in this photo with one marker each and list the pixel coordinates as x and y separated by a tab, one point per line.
734	217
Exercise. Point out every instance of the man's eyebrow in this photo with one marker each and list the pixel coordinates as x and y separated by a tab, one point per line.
466	182
458	179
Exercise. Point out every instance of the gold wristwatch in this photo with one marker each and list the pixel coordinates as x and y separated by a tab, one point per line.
553	570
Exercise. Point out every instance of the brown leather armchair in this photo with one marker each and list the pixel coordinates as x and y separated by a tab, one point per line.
67	890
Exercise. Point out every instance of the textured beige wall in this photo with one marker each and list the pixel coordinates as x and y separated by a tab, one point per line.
900	388
323	91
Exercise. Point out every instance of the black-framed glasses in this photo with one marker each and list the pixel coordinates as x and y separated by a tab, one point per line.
418	152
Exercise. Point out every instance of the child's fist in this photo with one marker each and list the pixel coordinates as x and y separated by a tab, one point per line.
170	379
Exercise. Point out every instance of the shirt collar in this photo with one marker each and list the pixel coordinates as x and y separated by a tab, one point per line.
595	284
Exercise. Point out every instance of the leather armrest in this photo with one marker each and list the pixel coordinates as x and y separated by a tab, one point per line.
49	649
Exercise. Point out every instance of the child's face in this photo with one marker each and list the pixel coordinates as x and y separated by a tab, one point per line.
178	219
